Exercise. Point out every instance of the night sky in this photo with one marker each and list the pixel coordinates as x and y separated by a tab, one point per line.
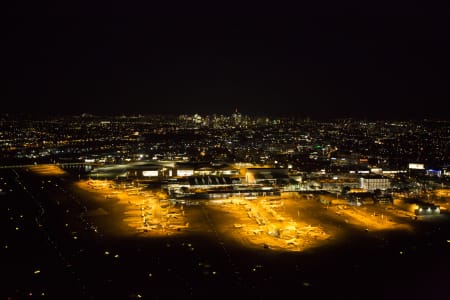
321	61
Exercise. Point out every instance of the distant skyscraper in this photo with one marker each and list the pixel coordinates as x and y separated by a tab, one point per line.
237	117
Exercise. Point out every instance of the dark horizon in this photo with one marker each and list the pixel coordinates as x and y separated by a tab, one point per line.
92	115
364	62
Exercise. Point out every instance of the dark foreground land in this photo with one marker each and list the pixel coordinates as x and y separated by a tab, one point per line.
51	250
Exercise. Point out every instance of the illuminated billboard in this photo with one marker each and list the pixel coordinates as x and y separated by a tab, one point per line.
150	173
185	172
416	166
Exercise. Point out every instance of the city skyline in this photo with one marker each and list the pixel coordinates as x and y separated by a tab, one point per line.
361	62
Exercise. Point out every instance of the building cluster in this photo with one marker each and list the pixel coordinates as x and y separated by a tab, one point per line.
341	155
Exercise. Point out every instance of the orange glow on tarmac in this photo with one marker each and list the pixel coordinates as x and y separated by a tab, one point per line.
147	212
371	219
442	192
289	222
264	222
47	170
